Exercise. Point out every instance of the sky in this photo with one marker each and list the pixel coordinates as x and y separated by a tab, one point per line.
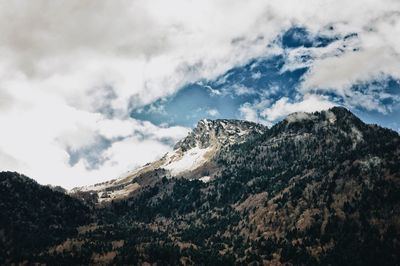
91	89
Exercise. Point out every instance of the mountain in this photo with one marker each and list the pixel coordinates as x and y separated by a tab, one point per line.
315	189
191	158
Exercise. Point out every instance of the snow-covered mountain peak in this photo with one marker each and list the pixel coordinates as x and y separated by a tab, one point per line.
192	158
206	139
219	132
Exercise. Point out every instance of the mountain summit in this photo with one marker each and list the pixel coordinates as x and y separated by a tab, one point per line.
219	132
192	158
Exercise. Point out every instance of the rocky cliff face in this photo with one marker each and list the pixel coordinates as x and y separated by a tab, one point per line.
221	132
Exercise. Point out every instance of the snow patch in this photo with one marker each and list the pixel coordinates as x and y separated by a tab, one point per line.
95	187
190	160
205	179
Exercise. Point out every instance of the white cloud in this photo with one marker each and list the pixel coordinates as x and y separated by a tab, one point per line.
249	113
339	73
268	113
213	112
369	54
213	92
242	90
284	106
252	111
36	141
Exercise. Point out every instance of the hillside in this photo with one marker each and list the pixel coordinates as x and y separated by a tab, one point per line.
34	217
319	188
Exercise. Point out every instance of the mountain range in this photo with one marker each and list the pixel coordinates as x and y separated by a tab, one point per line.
317	188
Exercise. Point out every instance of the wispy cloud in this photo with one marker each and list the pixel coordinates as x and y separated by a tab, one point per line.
213	112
